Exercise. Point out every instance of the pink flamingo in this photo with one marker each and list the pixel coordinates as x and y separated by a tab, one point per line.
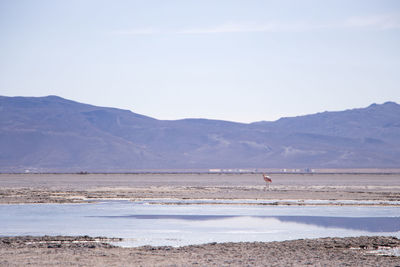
267	180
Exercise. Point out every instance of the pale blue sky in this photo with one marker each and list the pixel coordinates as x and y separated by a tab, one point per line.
241	60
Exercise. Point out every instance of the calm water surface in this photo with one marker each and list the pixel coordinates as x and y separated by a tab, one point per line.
141	223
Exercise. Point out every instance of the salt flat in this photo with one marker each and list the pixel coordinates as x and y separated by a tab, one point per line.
70	188
286	189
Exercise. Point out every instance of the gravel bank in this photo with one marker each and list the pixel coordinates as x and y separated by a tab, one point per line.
87	251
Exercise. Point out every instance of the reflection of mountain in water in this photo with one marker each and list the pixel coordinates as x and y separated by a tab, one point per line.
175	217
370	224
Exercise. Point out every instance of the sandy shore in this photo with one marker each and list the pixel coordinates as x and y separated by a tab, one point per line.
70	188
86	251
285	188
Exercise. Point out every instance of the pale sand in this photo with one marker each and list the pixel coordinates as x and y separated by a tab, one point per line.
69	188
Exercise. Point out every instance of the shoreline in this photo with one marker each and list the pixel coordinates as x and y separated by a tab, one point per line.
286	189
311	196
290	189
88	251
215	202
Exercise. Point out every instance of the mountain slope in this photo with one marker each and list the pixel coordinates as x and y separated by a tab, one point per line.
55	134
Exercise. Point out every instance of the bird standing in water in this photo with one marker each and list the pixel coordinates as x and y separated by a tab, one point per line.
267	180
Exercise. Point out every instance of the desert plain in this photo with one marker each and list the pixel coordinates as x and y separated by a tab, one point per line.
70	188
285	189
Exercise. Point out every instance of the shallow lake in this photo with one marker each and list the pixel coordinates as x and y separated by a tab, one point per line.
146	223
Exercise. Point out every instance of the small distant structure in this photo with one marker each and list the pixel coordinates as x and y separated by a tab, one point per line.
267	180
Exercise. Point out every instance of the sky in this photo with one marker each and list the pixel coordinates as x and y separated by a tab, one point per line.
236	60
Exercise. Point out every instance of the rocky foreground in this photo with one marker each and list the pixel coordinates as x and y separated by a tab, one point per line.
88	251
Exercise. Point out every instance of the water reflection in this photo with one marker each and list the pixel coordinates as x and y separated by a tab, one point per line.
174	217
370	224
177	225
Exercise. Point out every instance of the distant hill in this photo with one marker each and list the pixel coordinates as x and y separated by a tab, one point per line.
55	134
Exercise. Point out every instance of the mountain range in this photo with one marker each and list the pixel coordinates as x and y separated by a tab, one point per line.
55	134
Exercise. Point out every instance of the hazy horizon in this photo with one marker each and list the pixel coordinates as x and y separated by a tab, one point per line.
235	60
